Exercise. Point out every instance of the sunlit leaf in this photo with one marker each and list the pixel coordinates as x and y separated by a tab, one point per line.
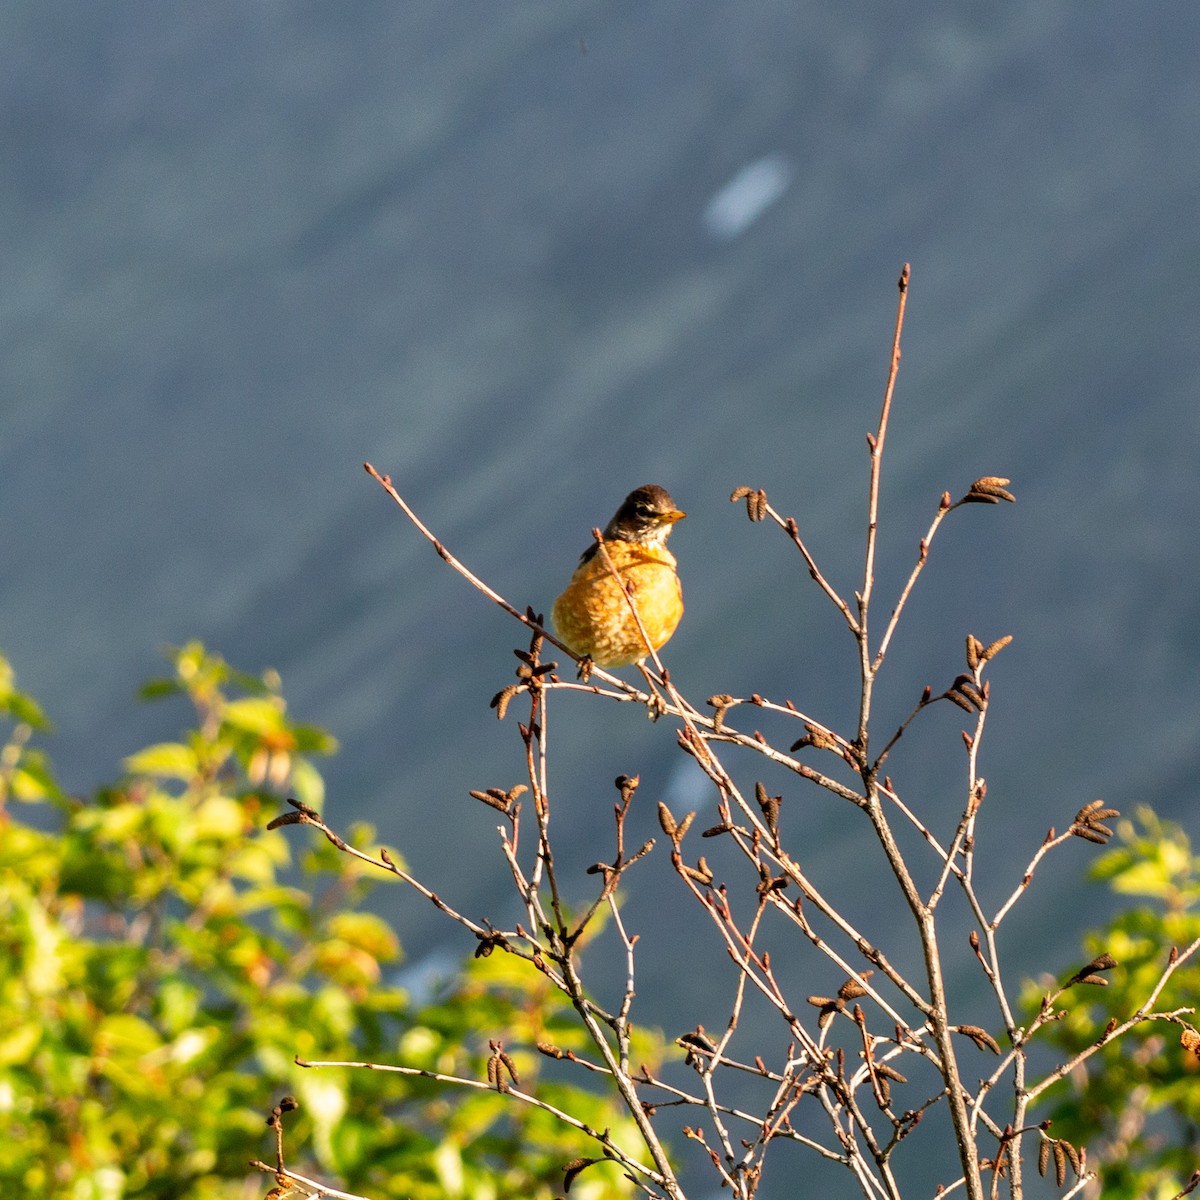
255	714
166	760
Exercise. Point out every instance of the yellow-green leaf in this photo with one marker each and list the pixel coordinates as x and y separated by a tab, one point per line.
255	714
166	760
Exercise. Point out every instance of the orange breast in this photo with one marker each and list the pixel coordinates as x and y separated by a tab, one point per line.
592	616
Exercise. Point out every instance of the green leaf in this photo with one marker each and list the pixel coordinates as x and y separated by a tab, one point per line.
219	817
34	781
367	932
18	1043
166	760
312	740
255	714
159	689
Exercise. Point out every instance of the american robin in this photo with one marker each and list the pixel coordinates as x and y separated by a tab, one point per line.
593	616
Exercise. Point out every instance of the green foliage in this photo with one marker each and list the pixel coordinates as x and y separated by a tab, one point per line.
165	963
1143	1090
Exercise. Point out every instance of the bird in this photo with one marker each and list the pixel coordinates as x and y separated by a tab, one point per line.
593	617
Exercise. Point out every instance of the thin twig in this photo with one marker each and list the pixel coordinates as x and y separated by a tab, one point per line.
876	444
319	1189
1051	842
789	526
906	591
385	482
514	1093
1143	1013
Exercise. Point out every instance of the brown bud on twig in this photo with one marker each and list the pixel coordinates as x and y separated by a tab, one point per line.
829	1007
535	641
769	884
977	946
488	942
722	703
1073	1156
501	1068
1060	1163
769	806
1089	822
771	814
853	988
291	818
572	1170
974	649
1087	973
699	1047
627	785
302	816
988	490
993	648
756	501
701	872
964	686
1189	1039
501	699
498	799
980	1037
697	1039
286	1105
666	820
817	737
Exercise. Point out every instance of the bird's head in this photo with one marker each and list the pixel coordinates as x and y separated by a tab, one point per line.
647	516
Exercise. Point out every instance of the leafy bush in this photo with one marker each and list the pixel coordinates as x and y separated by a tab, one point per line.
165	964
1137	1102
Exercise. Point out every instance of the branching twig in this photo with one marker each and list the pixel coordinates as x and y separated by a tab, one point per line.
1145	1012
865	1120
601	1136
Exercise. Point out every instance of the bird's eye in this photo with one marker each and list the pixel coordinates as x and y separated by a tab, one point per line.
644	510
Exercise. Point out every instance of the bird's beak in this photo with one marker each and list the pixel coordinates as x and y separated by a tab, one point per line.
669	518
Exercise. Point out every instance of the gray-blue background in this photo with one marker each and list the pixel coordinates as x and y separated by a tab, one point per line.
248	246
